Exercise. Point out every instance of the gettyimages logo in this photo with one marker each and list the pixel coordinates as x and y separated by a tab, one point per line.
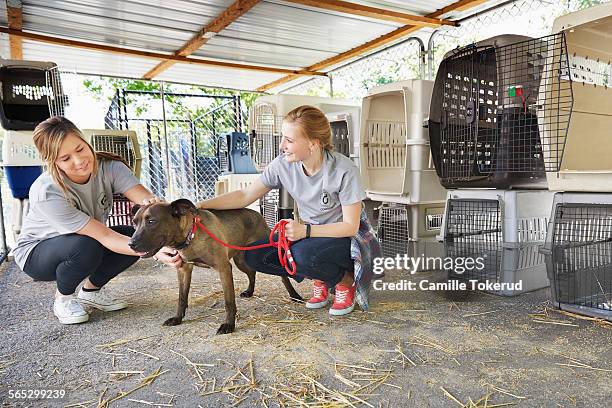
458	265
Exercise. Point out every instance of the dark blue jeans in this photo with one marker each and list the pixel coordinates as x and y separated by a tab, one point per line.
325	259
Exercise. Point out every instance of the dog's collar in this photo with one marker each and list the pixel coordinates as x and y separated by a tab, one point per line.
190	236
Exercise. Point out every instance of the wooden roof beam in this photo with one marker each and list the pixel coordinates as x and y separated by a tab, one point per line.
461	5
14	14
370	45
151	55
228	16
374	12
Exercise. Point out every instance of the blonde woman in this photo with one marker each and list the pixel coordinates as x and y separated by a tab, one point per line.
326	185
64	236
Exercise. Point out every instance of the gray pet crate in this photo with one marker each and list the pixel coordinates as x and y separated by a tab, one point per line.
505	229
410	229
578	253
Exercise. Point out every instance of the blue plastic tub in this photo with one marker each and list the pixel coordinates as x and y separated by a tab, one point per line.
20	178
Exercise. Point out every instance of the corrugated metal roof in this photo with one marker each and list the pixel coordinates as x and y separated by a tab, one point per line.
217	77
291	36
273	33
159	26
86	61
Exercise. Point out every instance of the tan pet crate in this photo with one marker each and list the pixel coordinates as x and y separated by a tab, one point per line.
123	143
396	163
233	182
586	162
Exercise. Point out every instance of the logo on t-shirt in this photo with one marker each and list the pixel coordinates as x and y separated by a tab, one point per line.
103	200
325	200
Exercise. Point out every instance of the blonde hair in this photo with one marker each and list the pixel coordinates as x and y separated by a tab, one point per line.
48	138
313	123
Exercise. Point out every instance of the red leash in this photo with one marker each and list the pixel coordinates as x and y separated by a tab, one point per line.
283	244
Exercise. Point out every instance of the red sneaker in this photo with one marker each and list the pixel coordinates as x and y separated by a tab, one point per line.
344	302
319	297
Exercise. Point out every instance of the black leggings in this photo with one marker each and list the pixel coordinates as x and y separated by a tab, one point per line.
70	258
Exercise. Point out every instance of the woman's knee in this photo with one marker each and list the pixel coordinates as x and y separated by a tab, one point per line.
85	248
303	256
321	250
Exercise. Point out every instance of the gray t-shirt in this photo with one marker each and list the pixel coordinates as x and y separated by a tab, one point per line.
51	215
319	197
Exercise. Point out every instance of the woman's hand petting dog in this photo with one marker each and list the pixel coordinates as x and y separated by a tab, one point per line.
294	231
169	256
152	200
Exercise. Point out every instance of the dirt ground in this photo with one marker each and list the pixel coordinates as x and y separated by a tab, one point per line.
413	349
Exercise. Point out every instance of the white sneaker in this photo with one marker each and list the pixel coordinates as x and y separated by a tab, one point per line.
100	300
69	311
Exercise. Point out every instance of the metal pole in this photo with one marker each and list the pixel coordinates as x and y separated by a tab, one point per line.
168	175
430	55
422	53
239	107
125	115
237	121
331	86
194	158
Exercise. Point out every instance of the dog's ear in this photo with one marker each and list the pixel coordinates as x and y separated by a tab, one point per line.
135	209
182	206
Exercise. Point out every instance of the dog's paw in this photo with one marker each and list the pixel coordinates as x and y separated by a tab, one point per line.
173	321
226	328
246	294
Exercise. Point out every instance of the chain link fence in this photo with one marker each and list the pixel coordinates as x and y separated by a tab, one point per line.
411	59
533	18
402	61
178	136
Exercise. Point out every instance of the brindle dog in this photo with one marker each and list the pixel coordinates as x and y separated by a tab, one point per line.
162	224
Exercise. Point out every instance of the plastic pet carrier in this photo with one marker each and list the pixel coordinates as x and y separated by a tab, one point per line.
24	103
123	143
233	152
396	162
25	93
345	132
579	253
486	109
227	183
232	182
266	119
586	163
501	231
410	229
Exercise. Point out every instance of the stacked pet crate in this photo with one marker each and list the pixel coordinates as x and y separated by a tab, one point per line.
397	170
485	141
25	103
265	121
578	245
